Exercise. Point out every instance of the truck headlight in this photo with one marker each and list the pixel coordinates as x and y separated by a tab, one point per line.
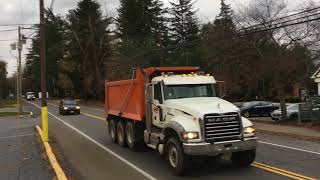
189	135
78	107
65	108
249	131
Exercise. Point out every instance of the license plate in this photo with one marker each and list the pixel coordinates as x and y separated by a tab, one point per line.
71	111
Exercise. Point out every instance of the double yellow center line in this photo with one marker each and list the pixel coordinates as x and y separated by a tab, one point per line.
93	116
282	172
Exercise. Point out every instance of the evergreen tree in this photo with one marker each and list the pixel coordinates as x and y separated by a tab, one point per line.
184	22
224	19
3	80
88	48
222	52
184	29
141	26
54	51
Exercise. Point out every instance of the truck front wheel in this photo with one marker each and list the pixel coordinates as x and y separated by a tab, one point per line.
112	130
176	158
243	158
121	136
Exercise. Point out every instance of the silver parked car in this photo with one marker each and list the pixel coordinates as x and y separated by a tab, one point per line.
292	113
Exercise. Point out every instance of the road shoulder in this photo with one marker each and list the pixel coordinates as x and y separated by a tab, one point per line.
20	151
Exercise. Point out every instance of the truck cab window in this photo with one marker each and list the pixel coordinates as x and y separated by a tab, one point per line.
189	91
157	92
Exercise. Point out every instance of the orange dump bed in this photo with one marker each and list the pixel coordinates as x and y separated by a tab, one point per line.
126	98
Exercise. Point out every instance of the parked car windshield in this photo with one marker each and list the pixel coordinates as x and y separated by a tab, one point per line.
189	91
30	93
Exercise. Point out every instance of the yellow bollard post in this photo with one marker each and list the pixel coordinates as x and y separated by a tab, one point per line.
44	117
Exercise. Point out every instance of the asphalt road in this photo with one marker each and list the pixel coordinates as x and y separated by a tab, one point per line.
20	151
85	144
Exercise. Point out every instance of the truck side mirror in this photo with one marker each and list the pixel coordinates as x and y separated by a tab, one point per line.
221	86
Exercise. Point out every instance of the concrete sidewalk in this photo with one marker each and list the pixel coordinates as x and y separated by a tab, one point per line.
299	132
21	156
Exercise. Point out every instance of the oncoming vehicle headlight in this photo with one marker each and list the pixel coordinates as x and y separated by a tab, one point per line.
65	108
249	131
189	135
78	107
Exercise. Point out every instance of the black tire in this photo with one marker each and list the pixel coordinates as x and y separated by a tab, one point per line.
175	156
112	129
243	158
246	114
121	134
131	136
276	120
293	117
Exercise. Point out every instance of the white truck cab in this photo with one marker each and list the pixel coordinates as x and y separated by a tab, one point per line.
186	107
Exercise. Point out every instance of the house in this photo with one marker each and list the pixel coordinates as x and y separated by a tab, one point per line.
316	79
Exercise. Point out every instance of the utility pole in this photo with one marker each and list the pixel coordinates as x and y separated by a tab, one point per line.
19	75
44	108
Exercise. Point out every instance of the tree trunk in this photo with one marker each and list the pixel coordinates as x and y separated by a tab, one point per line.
283	106
98	82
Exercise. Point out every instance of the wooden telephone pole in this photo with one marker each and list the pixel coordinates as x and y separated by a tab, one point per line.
44	108
19	74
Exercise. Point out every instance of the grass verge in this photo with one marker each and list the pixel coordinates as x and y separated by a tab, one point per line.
6	114
7	103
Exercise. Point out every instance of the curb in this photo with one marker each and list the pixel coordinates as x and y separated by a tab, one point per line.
53	161
301	137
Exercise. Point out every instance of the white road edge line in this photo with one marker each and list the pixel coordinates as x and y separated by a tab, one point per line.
103	147
9	137
288	147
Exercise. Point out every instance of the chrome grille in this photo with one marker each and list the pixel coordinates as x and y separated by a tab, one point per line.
222	127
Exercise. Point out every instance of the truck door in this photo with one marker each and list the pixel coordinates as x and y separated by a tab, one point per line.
157	114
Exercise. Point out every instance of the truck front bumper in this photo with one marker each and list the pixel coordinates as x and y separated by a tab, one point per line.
198	149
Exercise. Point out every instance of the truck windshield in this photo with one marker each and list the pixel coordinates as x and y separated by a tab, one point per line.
188	91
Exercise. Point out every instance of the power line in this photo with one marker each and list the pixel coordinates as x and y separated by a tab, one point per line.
228	36
22	24
7	30
8	39
283	22
284	17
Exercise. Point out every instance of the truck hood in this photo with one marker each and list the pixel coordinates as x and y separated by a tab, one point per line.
200	106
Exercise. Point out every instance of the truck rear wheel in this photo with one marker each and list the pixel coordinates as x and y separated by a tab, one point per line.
131	136
176	158
112	130
121	135
243	158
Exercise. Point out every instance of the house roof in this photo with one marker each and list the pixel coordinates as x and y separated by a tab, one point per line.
316	74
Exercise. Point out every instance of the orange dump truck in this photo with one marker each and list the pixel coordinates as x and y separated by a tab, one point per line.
176	111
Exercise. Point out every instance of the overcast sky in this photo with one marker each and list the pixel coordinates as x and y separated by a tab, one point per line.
27	12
